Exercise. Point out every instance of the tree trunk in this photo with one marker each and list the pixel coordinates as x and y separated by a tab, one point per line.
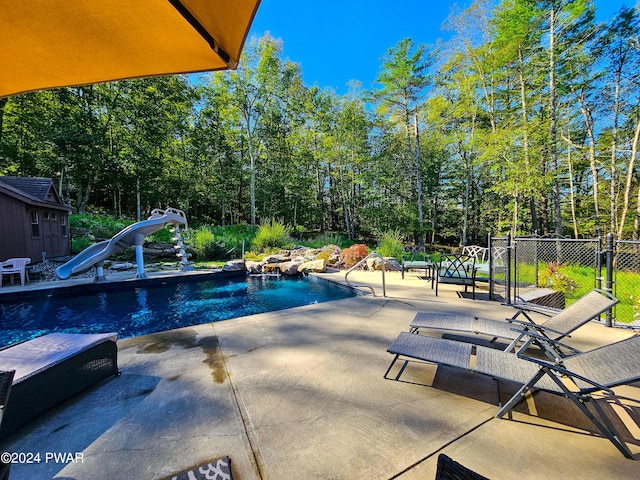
553	151
3	102
419	182
627	189
138	207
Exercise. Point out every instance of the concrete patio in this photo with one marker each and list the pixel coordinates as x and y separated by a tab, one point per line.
300	394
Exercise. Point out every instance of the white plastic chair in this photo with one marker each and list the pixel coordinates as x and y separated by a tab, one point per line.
13	266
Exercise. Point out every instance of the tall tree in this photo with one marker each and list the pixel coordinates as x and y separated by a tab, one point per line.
403	79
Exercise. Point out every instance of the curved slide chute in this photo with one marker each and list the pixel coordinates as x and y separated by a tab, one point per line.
132	235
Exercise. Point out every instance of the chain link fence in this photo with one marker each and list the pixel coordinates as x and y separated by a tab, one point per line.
556	272
626	283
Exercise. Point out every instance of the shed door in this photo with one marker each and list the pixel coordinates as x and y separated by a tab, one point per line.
51	232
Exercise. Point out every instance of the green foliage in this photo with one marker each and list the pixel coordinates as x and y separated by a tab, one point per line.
327	252
78	244
164	235
322	240
271	234
100	226
554	276
390	244
209	246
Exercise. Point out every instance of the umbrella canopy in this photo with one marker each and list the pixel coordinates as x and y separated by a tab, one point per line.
58	43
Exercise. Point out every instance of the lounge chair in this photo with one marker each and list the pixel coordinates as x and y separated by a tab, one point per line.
52	368
560	324
576	377
15	266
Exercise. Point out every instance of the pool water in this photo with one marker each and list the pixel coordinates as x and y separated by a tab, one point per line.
150	309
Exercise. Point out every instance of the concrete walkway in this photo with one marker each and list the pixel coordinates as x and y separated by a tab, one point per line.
300	394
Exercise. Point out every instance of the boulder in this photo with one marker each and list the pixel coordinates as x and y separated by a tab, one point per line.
390	264
253	267
270	267
234	266
289	268
315	266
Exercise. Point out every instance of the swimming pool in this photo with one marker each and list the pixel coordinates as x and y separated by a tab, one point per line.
155	308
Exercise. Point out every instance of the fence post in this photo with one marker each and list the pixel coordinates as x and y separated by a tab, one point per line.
508	279
609	278
489	251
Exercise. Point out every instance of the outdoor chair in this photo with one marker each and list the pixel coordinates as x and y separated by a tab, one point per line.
575	377
476	251
52	368
411	260
15	266
456	269
560	324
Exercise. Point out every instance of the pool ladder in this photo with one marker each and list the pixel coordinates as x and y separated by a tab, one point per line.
373	254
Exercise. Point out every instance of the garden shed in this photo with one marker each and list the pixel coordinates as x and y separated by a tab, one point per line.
35	222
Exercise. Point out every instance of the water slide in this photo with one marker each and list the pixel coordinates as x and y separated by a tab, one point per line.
132	235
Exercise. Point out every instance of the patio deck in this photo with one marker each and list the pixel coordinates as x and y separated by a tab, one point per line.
300	394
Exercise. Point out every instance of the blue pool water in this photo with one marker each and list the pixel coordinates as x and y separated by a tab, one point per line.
139	311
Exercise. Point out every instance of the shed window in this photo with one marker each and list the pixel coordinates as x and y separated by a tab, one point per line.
35	224
63	225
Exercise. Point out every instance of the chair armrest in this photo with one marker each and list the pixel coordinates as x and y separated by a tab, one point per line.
533	307
568	373
536	326
547	340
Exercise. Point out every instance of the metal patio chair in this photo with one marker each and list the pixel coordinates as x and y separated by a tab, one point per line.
456	269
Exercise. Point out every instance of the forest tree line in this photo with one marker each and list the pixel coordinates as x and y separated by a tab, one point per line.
526	121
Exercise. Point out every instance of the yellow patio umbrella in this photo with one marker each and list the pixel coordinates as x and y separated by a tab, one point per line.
58	43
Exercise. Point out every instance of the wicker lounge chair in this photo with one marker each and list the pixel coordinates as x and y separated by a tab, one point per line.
560	324
598	370
52	368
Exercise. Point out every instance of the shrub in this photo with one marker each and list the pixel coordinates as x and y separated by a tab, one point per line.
390	245
78	244
164	235
327	252
324	240
102	227
554	278
201	242
353	254
271	234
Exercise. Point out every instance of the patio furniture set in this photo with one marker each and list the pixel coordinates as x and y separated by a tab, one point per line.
465	268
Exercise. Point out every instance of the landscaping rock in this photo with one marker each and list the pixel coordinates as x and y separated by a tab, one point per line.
253	267
314	266
390	264
289	268
234	266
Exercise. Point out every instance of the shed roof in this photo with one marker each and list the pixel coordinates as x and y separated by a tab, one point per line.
34	191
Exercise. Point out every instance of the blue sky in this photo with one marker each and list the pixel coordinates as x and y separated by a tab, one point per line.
336	41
